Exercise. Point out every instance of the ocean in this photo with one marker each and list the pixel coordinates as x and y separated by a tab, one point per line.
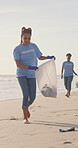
10	89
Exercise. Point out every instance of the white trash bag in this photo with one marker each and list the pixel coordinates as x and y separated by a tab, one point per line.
76	81
47	79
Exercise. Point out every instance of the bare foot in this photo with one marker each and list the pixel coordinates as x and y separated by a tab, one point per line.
67	95
26	121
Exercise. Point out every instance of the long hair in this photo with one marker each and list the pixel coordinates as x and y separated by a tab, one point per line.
24	30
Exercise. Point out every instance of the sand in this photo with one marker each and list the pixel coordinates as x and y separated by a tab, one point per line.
48	115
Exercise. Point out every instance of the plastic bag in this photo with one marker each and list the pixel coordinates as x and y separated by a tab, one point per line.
47	79
76	81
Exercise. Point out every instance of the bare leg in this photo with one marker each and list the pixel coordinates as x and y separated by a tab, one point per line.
28	113
69	92
25	112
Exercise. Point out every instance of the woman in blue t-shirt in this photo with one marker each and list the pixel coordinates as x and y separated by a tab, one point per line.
68	68
25	55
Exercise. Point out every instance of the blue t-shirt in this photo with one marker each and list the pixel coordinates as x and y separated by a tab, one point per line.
28	56
68	67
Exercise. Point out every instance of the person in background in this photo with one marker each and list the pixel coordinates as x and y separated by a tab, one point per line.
25	56
68	69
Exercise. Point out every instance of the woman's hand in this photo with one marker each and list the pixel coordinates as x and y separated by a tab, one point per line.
51	57
32	67
45	58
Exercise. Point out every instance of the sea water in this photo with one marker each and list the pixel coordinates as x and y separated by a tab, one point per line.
10	89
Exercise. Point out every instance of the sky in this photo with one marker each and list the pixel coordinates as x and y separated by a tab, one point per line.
54	24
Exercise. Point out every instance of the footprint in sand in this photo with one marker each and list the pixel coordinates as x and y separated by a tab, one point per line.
51	147
67	142
39	106
13	118
76	115
3	137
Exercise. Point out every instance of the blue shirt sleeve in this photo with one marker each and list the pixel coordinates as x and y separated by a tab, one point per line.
63	65
37	51
16	54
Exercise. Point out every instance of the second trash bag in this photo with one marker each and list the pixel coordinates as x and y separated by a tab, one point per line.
47	79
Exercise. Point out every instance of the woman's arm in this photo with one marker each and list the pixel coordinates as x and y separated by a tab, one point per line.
62	73
42	58
74	72
20	65
24	66
48	57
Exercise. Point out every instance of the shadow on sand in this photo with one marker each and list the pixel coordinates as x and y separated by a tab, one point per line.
51	124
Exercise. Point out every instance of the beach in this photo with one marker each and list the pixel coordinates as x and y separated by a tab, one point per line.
48	115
